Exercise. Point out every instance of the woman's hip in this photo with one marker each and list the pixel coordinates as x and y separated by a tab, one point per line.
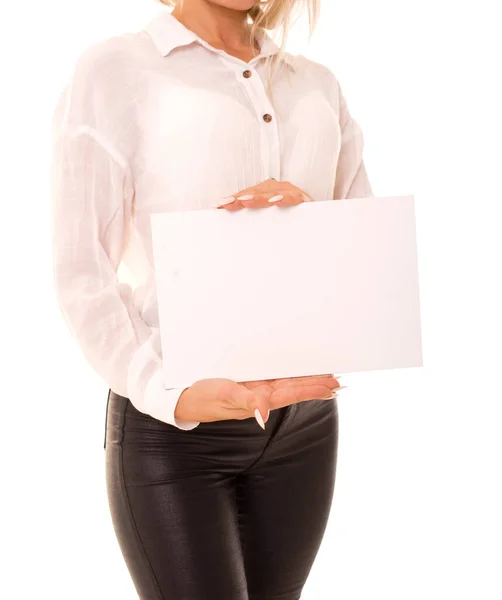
229	445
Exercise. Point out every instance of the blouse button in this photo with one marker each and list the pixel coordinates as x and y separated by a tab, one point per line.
267	118
247	73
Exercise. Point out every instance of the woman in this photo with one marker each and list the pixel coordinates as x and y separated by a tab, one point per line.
186	114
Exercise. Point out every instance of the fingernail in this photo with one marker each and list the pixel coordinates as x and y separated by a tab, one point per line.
307	198
259	418
337	376
276	198
330	397
340	387
228	200
246	197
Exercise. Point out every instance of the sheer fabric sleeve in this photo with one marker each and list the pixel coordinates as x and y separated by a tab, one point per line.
91	197
351	176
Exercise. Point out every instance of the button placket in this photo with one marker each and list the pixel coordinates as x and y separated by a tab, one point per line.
269	134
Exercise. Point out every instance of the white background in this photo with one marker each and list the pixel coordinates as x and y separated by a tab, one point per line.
416	512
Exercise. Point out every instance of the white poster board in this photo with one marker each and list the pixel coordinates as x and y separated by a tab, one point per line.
321	287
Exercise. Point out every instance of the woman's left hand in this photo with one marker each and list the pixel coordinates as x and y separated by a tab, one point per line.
267	193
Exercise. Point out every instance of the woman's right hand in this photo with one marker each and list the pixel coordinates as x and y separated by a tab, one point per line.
221	399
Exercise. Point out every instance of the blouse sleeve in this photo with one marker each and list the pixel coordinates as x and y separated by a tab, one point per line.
91	196
351	177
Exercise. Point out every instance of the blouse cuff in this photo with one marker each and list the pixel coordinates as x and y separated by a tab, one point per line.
161	403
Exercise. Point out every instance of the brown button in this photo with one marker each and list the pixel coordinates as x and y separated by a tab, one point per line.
267	118
247	73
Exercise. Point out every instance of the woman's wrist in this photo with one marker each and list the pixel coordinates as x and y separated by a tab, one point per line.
184	408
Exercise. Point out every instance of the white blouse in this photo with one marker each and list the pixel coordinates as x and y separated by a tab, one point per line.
158	120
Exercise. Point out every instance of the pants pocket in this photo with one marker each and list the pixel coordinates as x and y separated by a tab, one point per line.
106	414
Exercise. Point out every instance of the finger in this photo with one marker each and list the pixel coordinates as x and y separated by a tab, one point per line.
291	197
263	403
230	205
278	197
305	377
269	186
251	198
250	401
260	198
308	378
254	384
239	396
328	381
233	200
292	395
303	393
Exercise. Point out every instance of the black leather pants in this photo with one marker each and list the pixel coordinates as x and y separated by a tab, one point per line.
225	511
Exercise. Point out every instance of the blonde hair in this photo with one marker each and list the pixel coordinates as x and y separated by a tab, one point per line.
275	16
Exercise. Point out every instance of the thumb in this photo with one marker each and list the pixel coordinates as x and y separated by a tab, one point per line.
261	408
256	403
261	415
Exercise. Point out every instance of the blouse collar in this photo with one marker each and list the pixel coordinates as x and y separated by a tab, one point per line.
168	33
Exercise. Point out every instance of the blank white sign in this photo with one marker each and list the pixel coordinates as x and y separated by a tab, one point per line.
322	287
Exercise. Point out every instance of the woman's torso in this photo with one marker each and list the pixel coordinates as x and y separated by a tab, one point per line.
189	122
